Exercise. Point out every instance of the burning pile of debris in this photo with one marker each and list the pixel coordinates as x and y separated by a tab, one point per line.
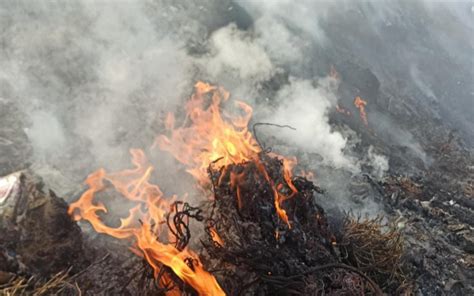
260	232
250	247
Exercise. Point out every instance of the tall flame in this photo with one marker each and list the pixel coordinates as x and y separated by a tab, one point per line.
210	135
207	135
151	208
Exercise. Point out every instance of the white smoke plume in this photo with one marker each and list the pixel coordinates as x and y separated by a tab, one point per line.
305	105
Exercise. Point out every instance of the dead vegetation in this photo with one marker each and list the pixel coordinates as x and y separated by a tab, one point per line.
32	286
375	248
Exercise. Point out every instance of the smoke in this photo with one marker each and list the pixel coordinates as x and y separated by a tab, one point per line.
421	84
46	134
379	163
96	73
304	16
306	106
235	51
97	78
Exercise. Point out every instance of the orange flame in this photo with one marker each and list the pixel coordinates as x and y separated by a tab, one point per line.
209	135
215	236
206	136
288	165
134	185
279	198
360	104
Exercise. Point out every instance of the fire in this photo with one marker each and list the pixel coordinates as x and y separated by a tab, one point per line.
215	236
151	208
278	197
235	180
360	104
288	165
207	135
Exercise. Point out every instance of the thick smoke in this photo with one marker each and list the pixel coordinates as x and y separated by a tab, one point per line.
95	79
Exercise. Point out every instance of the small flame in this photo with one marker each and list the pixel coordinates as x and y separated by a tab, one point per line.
288	165
278	197
215	236
134	186
360	104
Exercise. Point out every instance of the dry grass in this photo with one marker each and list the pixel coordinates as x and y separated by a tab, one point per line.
57	285
376	249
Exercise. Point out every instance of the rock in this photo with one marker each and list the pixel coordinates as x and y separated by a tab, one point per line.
38	236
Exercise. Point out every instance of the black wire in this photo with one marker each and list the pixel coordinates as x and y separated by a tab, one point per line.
267	124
